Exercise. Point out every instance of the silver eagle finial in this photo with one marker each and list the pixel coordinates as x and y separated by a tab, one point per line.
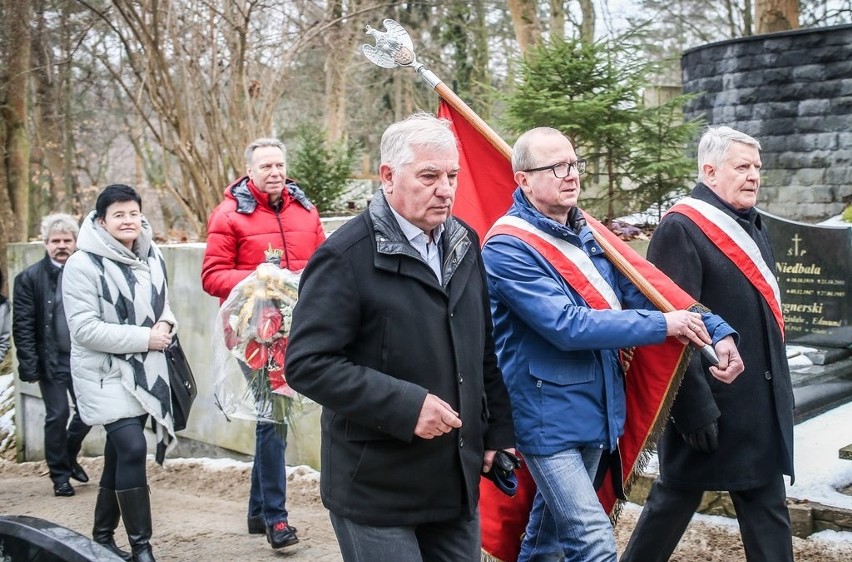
393	46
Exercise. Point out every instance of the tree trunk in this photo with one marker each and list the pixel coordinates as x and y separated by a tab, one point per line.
557	19
526	23
340	41
587	26
53	146
776	15
16	51
480	76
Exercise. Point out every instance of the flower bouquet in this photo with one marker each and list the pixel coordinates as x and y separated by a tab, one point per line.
253	327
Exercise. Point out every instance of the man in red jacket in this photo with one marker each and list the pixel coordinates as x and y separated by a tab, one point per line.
264	217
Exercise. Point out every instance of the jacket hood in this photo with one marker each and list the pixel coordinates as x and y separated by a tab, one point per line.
95	240
247	196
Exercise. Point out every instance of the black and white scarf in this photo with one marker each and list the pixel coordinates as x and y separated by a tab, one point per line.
134	293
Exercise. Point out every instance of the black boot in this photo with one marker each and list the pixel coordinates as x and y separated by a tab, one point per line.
135	506
107	516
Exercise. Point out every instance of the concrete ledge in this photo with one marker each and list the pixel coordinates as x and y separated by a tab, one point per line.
807	517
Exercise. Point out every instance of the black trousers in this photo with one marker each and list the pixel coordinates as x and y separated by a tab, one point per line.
125	452
62	441
761	512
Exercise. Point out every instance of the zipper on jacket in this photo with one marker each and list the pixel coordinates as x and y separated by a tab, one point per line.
283	237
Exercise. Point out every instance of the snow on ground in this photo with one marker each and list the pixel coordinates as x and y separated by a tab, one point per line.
819	469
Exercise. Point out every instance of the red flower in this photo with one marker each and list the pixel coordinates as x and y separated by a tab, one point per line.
231	339
256	354
279	351
276	379
268	322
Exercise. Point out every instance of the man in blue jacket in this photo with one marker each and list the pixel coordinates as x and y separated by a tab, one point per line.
561	313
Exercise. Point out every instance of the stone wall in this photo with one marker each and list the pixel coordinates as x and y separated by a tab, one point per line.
793	92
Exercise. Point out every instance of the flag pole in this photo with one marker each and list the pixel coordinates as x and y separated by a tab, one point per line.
395	48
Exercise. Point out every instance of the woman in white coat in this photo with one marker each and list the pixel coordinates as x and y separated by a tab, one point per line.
116	300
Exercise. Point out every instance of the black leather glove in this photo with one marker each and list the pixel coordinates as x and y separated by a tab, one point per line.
704	439
502	472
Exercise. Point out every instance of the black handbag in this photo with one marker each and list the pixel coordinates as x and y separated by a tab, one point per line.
182	383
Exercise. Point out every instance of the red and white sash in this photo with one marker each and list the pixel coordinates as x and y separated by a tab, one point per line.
571	262
738	246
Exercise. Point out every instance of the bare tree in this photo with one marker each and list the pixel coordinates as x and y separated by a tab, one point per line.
346	31
526	22
55	184
776	15
14	108
587	25
205	77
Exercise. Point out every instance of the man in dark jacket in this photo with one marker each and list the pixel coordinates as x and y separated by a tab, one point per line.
264	217
736	437
43	347
392	335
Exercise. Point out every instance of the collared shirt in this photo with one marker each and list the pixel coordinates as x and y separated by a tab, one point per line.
429	249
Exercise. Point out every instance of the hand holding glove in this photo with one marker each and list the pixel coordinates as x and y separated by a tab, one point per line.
502	472
705	438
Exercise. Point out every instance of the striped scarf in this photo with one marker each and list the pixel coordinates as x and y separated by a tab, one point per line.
136	295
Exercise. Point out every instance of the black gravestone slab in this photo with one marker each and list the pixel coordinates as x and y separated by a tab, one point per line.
30	538
814	270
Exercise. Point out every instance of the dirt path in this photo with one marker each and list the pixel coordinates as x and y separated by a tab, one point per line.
199	514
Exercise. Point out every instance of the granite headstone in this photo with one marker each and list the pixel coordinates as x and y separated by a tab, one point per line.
814	270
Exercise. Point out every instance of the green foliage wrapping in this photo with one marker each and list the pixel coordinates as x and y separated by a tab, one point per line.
593	93
321	169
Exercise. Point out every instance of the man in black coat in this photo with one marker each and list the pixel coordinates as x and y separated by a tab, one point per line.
43	348
736	437
392	335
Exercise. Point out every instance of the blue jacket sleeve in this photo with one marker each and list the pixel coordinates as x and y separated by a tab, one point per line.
532	289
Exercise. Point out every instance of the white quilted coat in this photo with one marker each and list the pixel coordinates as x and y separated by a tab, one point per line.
97	374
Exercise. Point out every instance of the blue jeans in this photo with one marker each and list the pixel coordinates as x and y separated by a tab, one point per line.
567	518
269	473
436	541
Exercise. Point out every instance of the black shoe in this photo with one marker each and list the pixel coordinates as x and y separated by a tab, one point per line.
281	534
78	474
63	489
256	525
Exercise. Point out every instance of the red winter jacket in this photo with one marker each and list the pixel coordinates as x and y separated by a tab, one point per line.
244	226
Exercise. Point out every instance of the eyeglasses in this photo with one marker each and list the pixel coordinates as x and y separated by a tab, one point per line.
562	169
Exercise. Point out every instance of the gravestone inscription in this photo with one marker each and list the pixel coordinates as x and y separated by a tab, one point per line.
814	270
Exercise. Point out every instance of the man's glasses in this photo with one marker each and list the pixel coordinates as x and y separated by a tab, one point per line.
562	169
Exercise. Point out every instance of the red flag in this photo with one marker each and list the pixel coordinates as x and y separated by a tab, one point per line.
484	194
486	181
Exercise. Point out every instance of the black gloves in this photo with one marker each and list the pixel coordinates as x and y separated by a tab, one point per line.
704	439
502	472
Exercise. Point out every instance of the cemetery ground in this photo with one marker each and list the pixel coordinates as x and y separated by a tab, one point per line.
199	504
199	514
